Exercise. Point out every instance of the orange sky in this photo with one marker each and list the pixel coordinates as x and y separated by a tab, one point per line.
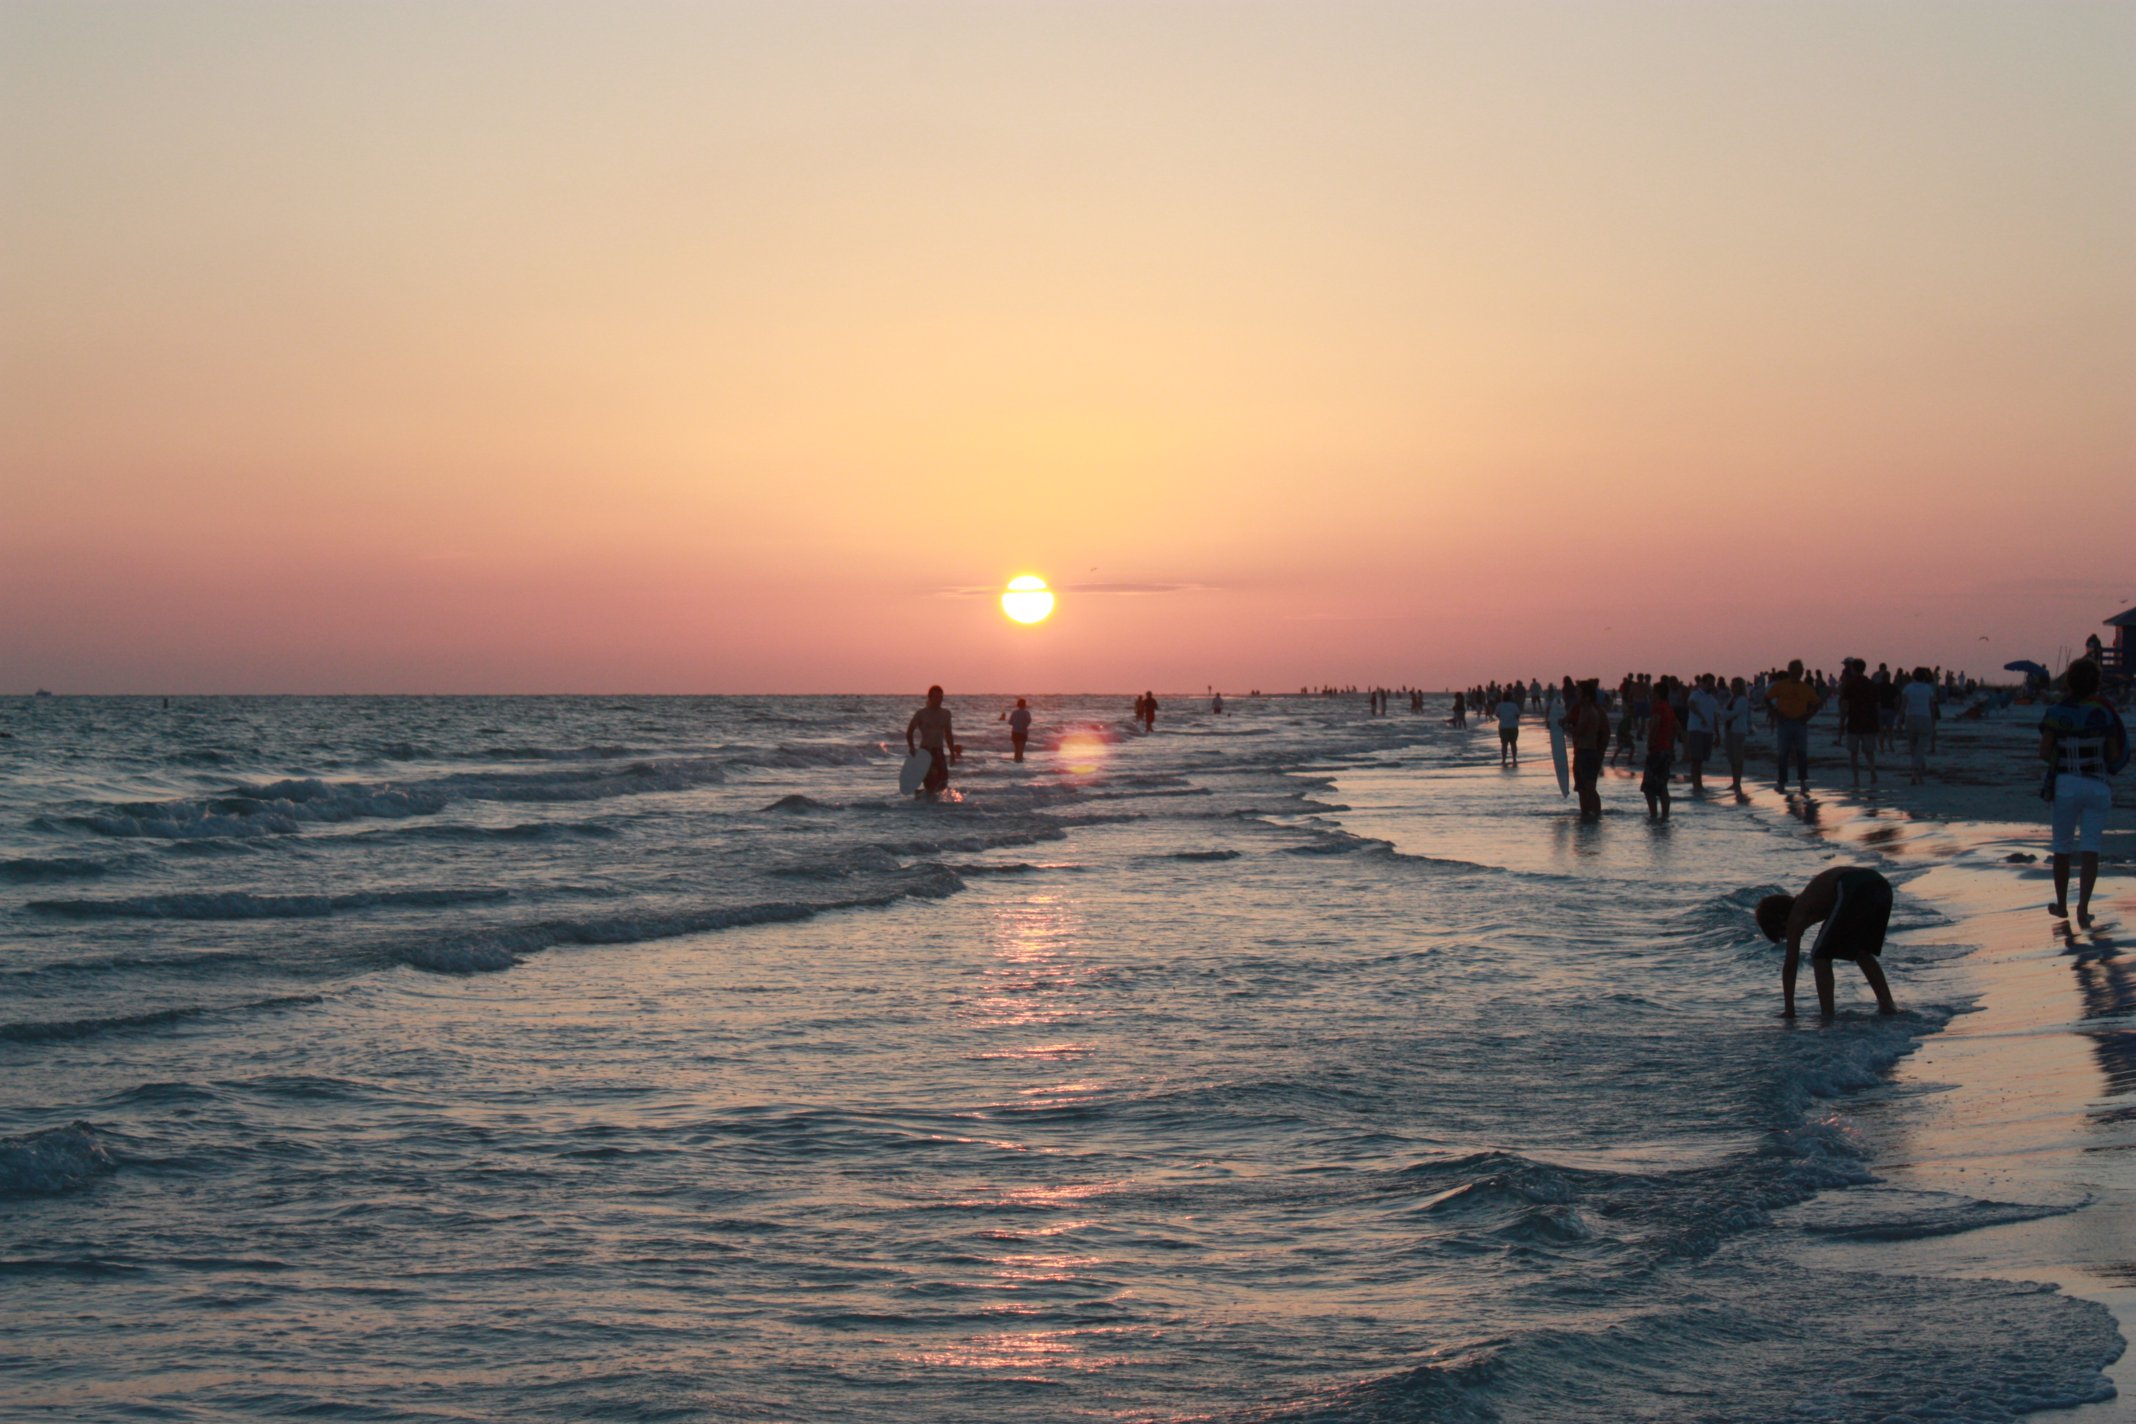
668	347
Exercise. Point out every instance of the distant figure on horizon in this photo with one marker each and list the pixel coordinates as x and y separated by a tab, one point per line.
1020	727
931	726
2083	742
1588	727
1793	702
1216	705
1460	717
1146	708
1854	904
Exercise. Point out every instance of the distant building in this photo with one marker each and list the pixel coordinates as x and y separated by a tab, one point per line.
2114	659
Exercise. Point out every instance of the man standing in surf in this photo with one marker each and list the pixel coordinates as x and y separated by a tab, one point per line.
931	726
1588	726
1854	905
1019	727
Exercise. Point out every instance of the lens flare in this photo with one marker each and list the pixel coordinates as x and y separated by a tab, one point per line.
1027	599
1081	753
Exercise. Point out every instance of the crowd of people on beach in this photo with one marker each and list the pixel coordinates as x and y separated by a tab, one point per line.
1657	720
2083	744
1654	721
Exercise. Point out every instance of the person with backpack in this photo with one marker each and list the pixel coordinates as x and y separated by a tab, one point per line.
2083	743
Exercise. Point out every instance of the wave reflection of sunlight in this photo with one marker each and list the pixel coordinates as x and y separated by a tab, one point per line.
1033	1269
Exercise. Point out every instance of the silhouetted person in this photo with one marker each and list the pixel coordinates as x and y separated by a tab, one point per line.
1917	712
1587	726
1854	905
1661	752
1019	727
1509	727
1860	717
1702	723
1735	729
931	726
1149	711
2083	743
1792	702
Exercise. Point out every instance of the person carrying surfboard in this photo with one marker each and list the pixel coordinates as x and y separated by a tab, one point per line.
930	725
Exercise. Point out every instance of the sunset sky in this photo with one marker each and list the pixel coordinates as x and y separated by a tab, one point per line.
679	347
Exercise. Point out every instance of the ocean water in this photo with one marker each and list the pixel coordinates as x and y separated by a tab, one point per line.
650	1059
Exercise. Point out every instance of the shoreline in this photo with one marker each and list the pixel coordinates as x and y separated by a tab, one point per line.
2000	1143
2029	1099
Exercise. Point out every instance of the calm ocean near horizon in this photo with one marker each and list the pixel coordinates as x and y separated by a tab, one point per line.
615	1058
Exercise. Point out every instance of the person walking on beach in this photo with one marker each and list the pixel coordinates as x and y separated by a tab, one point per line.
930	726
1854	905
1460	717
1509	725
1020	727
1917	707
2083	743
1735	730
1146	708
1858	718
1793	702
1661	753
1588	726
1702	719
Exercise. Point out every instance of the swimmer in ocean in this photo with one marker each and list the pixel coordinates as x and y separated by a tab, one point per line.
1854	905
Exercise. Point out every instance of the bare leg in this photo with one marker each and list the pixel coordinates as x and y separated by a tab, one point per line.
2087	876
2061	886
1874	973
1822	969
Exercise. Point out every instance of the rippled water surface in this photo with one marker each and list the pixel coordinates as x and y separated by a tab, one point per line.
651	1059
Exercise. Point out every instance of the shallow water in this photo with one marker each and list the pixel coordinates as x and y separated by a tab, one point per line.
649	1059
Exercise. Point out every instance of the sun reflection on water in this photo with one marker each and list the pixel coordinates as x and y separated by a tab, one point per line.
1030	1268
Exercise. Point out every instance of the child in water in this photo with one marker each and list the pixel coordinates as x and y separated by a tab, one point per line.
1624	737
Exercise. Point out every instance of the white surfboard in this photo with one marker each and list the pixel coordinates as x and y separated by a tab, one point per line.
913	774
1557	757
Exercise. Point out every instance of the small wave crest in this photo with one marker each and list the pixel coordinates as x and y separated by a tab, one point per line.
33	870
278	808
497	950
61	1030
240	905
59	1159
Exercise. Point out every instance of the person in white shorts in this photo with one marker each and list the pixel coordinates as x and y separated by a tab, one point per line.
2083	743
1917	708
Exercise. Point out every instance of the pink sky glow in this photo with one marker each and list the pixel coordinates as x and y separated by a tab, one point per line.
452	347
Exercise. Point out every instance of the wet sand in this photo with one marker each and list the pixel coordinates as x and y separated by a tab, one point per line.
2028	1102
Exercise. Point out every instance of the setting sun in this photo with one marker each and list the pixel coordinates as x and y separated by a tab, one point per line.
1027	599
